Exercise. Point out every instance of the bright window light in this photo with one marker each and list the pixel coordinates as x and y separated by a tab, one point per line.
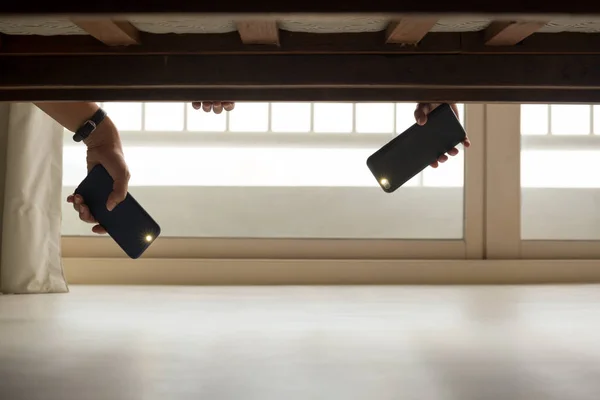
375	118
534	119
249	117
570	119
405	116
333	117
448	174
276	170
164	116
202	121
126	116
228	166
290	117
560	168
596	116
241	165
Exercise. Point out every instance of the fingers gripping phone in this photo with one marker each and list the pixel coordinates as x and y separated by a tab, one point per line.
414	149
128	223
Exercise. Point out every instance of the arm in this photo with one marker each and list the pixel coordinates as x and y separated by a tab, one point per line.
103	147
69	115
73	115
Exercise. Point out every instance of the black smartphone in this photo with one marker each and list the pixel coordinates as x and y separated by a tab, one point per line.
128	223
414	149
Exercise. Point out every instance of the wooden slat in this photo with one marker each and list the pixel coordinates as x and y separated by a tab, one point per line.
509	33
110	32
409	30
258	32
277	8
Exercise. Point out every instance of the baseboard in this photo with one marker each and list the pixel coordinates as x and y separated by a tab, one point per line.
119	271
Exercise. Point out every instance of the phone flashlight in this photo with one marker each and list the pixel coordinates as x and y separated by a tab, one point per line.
384	183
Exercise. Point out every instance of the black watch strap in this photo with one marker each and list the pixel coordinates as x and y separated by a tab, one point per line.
89	126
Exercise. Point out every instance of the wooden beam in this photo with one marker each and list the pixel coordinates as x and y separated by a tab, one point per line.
542	96
299	43
230	43
258	32
278	8
575	72
565	43
509	33
409	30
110	32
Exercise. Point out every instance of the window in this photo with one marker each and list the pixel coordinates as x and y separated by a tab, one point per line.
560	186
275	170
298	172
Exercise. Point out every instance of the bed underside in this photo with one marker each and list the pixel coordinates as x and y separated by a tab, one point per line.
195	25
333	57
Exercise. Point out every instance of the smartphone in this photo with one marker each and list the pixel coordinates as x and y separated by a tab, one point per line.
414	149
128	223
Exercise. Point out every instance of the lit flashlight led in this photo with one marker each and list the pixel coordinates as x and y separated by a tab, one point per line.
149	238
384	183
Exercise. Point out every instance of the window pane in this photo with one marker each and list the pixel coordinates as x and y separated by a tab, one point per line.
534	119
126	116
333	117
570	119
290	117
405	116
199	120
597	120
249	117
164	116
274	192
448	174
375	117
461	112
295	192
560	168
560	189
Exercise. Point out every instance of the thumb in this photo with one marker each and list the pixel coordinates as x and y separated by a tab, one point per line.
120	187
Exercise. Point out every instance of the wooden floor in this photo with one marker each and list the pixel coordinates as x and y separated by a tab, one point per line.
288	343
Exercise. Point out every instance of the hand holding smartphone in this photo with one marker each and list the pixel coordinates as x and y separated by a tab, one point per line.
128	223
413	150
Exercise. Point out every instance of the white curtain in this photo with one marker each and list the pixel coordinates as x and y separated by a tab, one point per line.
31	179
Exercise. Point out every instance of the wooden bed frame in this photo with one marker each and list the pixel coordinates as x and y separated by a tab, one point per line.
505	62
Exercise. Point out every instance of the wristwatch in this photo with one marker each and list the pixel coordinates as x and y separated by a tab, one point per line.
89	126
